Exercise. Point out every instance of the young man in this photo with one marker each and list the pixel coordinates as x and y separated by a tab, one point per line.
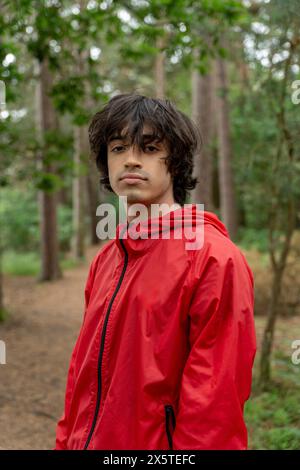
165	352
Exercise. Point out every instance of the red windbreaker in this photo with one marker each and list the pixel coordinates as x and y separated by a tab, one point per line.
165	352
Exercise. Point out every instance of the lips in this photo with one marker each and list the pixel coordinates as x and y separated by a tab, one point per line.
133	176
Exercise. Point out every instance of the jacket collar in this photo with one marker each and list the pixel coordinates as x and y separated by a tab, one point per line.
138	237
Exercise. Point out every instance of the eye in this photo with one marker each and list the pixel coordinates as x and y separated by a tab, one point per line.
151	148
118	148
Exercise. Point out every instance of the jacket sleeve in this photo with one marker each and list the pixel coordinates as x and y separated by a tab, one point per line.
61	428
217	375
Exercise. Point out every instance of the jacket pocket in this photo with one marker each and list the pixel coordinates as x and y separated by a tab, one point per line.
170	423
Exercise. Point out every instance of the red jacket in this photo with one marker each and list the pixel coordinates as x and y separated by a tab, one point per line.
165	352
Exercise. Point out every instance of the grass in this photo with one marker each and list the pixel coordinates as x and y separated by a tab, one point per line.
20	264
3	314
273	417
28	264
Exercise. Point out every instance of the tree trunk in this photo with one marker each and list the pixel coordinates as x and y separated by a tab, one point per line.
279	252
80	159
62	196
78	193
226	180
2	309
160	69
93	199
278	267
268	337
50	268
202	114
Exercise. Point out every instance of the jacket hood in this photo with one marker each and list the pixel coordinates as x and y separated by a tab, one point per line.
138	237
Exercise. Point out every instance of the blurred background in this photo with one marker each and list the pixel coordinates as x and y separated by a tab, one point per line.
234	68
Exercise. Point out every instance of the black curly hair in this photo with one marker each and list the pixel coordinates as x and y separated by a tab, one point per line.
132	111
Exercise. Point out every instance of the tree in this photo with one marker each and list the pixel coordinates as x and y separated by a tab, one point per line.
267	141
50	268
283	207
203	116
226	179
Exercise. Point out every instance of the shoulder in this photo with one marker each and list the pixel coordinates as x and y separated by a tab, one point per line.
99	255
220	254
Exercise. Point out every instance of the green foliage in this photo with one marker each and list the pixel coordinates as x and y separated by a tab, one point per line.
67	93
273	417
65	228
21	264
3	314
249	237
48	182
28	264
19	217
285	438
19	220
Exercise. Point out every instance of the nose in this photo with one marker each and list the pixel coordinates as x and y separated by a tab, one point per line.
133	157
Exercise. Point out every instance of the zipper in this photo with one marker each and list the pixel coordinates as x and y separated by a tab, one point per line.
102	348
169	413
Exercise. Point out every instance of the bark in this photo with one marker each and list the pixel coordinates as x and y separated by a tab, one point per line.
78	194
160	69
93	200
50	268
62	196
1	288
279	252
278	268
268	337
226	179
202	114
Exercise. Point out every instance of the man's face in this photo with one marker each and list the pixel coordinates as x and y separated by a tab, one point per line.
154	184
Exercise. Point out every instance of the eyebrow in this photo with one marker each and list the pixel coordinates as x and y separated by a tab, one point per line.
146	137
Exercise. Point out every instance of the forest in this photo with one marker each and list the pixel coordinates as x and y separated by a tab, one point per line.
233	67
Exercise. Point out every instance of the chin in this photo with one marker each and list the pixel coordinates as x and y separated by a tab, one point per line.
134	198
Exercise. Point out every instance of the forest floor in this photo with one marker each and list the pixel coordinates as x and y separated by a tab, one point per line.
40	333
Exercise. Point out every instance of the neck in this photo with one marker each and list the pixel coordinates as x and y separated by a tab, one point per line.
150	210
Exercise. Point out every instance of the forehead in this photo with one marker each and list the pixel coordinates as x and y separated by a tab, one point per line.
146	133
146	130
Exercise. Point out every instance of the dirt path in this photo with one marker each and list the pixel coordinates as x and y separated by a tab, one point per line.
39	336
